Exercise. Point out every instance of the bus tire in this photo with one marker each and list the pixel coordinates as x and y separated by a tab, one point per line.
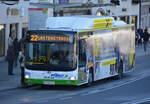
24	85
90	78
120	71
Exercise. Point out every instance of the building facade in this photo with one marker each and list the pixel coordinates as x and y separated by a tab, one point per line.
145	15
13	19
67	8
126	11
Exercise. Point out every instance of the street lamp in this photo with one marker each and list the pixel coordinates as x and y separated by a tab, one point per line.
140	2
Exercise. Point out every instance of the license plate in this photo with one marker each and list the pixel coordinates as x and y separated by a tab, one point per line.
49	82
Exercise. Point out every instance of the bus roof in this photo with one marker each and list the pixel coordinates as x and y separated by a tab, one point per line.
81	23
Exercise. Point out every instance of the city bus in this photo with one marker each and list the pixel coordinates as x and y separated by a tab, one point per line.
77	50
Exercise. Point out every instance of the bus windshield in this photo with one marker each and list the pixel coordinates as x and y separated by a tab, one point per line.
53	56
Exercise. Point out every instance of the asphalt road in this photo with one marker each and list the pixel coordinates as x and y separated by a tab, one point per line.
132	89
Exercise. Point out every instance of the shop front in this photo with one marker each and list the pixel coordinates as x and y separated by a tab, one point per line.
12	18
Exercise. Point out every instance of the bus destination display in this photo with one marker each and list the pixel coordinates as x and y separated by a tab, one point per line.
49	38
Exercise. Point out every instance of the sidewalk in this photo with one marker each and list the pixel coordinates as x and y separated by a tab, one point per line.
140	50
11	82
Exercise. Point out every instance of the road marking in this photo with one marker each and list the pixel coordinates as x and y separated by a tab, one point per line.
112	87
66	98
91	92
138	101
38	102
84	93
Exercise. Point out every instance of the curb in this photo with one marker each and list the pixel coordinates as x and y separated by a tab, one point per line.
9	89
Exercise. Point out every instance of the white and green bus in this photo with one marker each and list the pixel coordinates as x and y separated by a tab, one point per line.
79	50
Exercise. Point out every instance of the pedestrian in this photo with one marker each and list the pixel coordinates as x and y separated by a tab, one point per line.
10	40
21	43
16	49
140	32
146	39
137	38
10	57
21	60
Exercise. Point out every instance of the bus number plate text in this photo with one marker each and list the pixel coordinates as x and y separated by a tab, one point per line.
49	82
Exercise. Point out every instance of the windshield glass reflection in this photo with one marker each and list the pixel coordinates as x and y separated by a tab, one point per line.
51	55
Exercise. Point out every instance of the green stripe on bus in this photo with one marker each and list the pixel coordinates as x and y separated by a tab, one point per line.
57	82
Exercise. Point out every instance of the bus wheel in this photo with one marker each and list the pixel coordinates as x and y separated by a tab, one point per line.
120	71
90	78
24	85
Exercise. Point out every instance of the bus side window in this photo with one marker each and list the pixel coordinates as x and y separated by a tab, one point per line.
82	54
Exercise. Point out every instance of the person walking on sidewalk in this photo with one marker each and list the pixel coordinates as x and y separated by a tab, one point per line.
21	43
140	32
10	57
137	38
146	39
16	49
10	40
21	60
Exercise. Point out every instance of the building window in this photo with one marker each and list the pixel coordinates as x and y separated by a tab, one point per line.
135	1
124	9
125	19
2	40
134	21
62	1
100	1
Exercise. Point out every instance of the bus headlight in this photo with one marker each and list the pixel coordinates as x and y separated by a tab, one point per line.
27	76
73	78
